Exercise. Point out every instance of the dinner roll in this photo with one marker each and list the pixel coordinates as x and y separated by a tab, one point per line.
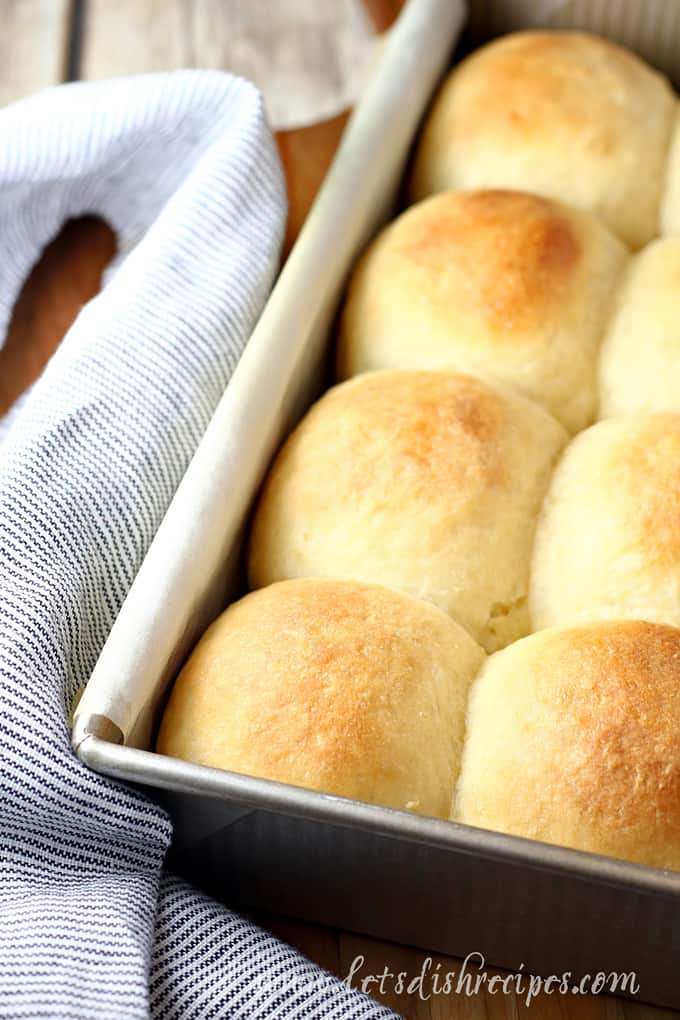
608	538
573	738
670	204
640	357
504	285
426	482
564	114
342	687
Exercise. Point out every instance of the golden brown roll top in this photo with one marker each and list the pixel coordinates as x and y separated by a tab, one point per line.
640	356
608	538
426	482
336	686
503	285
563	114
573	738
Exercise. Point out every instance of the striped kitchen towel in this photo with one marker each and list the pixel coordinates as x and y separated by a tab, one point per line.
184	169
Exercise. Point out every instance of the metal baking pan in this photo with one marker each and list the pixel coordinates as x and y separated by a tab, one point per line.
256	843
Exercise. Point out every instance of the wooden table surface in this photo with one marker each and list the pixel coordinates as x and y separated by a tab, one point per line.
47	41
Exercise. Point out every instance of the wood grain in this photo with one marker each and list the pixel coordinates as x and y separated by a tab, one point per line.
134	37
306	155
34	38
369	959
383	13
66	277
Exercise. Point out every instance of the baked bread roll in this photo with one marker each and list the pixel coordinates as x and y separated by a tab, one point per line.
670	203
640	356
608	537
337	686
563	114
503	285
426	482
573	738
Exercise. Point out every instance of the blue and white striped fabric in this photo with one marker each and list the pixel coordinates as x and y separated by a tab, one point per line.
184	169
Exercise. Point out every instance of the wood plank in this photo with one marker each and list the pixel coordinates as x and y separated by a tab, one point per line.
307	58
133	37
374	956
65	278
318	943
383	13
370	960
306	154
414	982
33	46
